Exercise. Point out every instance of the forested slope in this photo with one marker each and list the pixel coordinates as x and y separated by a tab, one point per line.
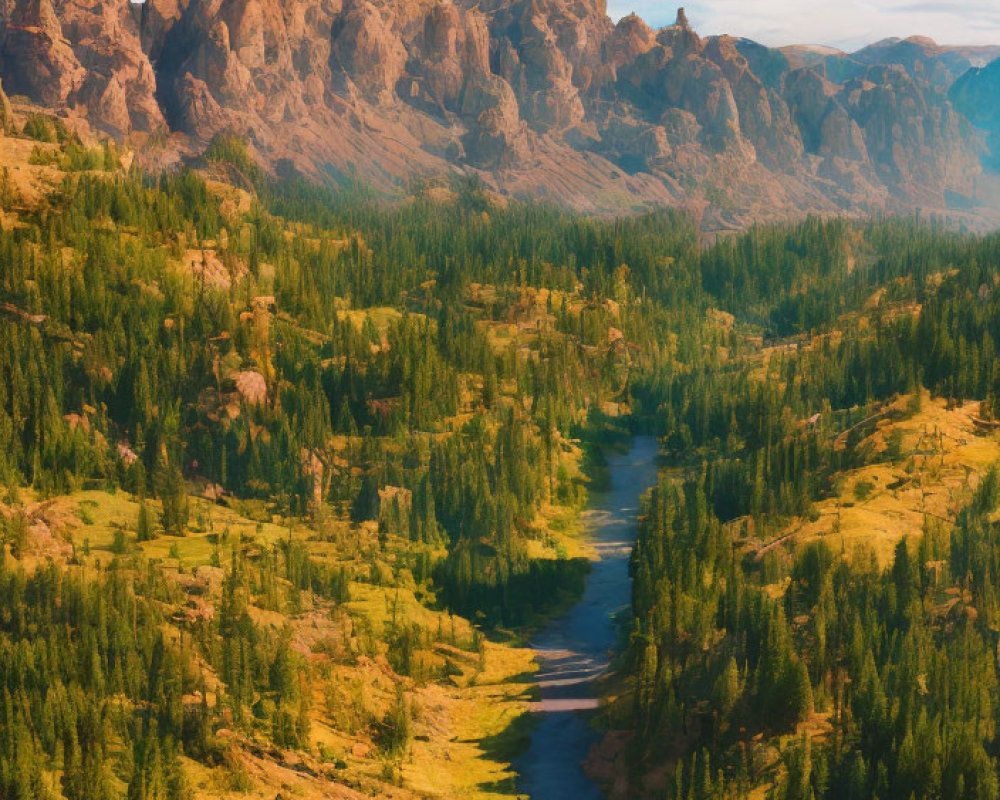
276	461
284	467
814	592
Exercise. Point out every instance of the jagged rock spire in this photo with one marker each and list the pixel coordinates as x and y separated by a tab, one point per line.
682	20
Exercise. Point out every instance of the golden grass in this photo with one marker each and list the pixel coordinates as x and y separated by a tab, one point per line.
466	731
479	730
381	316
941	458
32	181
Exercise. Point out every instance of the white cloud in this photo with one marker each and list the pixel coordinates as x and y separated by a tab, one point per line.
842	23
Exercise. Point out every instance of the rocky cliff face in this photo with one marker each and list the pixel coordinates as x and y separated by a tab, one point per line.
84	55
543	98
976	94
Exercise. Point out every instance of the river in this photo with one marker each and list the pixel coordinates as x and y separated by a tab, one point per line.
575	649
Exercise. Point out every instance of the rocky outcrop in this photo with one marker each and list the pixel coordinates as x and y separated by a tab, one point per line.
540	97
85	56
37	60
367	58
6	115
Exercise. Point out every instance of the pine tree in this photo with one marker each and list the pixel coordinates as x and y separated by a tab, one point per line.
173	498
144	526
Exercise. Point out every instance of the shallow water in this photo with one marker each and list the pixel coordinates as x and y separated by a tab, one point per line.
575	649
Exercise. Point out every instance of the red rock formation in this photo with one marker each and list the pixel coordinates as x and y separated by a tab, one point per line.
86	56
542	97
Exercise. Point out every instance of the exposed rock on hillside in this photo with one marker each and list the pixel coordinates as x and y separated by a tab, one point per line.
6	120
544	98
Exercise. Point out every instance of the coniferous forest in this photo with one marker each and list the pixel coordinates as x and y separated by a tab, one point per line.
288	473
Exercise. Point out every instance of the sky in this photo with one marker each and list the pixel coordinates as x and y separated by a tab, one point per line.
847	24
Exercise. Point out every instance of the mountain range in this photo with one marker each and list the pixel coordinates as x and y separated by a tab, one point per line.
545	99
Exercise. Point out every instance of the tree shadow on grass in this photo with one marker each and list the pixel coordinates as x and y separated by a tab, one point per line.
505	747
